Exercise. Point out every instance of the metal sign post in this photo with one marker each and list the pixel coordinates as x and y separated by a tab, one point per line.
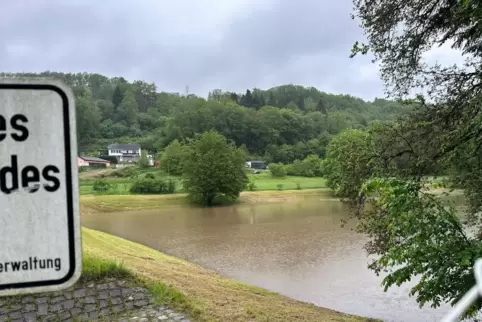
39	196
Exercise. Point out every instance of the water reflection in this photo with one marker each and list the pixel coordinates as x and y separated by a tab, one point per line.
297	249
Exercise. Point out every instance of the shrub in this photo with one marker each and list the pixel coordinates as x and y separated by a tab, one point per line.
113	187
251	186
149	175
280	186
83	169
172	158
143	161
311	166
101	186
125	172
277	170
153	186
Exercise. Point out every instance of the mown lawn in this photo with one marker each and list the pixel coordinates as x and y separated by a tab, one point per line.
263	182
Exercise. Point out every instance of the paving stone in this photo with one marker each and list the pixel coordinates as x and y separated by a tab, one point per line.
75	311
69	304
79	293
141	303
89	308
50	318
139	296
116	300
102	286
30	316
29	307
103	303
64	315
105	312
82	317
127	291
129	305
117	308
56	307
42	309
93	315
15	315
89	292
57	299
90	300
28	299
40	300
103	295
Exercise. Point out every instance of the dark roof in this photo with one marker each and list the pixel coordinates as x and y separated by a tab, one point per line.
124	146
93	159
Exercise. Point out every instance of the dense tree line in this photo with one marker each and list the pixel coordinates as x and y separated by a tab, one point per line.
281	124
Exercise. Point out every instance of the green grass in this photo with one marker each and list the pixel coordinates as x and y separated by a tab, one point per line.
166	295
96	269
263	182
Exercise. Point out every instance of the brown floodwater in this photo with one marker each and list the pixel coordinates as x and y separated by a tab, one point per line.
299	250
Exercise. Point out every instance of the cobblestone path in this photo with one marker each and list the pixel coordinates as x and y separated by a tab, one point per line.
107	301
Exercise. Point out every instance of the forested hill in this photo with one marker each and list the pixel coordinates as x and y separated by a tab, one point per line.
280	124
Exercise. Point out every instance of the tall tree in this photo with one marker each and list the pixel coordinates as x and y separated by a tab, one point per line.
213	169
247	99
118	96
88	117
143	161
234	97
172	158
128	109
321	107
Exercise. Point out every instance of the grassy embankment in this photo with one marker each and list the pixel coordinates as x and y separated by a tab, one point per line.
120	185
203	294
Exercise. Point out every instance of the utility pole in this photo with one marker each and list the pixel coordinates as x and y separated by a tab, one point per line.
187	90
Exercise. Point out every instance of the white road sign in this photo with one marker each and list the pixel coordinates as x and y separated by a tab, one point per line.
40	241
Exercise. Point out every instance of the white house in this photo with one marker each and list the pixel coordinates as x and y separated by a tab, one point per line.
125	152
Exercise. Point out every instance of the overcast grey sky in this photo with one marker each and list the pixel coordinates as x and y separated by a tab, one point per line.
205	44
